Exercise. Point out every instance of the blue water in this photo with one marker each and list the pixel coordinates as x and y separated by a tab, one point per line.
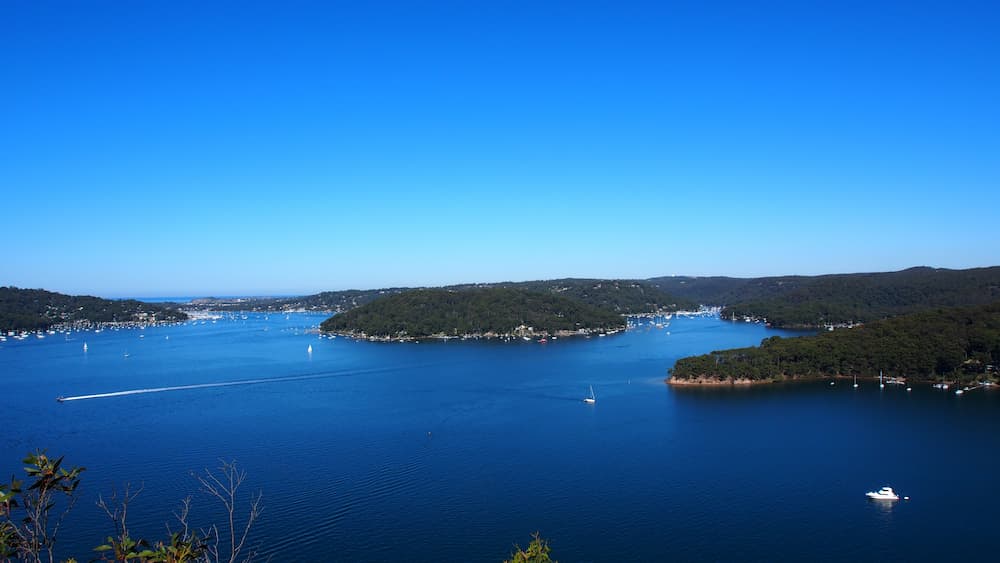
454	451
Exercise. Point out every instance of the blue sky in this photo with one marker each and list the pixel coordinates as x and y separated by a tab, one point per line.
190	148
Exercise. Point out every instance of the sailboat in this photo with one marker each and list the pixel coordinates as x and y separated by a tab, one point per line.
880	384
591	398
855	381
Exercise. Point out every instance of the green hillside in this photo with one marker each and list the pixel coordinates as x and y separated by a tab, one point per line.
814	301
961	343
36	309
424	313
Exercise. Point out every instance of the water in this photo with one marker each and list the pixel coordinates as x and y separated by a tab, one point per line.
455	451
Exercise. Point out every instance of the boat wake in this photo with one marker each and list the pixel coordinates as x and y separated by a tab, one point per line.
261	381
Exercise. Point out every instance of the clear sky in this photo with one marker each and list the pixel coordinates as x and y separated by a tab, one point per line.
192	148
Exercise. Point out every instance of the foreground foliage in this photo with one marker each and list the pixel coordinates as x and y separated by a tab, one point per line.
437	312
961	344
31	516
537	552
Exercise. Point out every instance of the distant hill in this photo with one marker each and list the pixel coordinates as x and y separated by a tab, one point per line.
336	301
814	301
713	290
959	343
619	296
496	311
36	309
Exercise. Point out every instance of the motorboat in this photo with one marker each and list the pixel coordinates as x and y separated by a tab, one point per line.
885	493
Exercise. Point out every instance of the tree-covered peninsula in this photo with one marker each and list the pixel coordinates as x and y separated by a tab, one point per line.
838	299
625	297
954	344
488	312
620	296
37	309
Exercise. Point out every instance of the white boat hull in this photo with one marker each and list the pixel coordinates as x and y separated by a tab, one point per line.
876	496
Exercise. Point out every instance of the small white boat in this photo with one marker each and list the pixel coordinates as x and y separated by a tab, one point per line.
309	349
885	493
855	381
591	398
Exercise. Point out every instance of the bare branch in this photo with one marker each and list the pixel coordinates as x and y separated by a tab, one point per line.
224	484
117	511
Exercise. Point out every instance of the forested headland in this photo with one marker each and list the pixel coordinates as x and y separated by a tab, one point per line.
37	309
838	299
950	344
488	312
620	296
624	297
781	301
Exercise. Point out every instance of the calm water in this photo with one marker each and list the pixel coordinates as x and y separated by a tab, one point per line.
454	451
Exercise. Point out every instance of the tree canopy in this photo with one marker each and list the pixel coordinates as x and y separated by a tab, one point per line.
423	313
619	296
37	309
814	301
961	343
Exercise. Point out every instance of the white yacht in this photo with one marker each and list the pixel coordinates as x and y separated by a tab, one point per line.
590	398
885	493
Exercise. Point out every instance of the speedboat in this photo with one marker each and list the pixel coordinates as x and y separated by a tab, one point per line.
885	493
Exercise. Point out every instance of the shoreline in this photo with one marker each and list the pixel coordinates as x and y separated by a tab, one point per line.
745	382
712	382
534	336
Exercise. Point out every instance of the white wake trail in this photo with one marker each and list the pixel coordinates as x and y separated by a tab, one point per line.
223	384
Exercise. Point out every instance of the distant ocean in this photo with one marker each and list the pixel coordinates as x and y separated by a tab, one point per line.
455	451
189	298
